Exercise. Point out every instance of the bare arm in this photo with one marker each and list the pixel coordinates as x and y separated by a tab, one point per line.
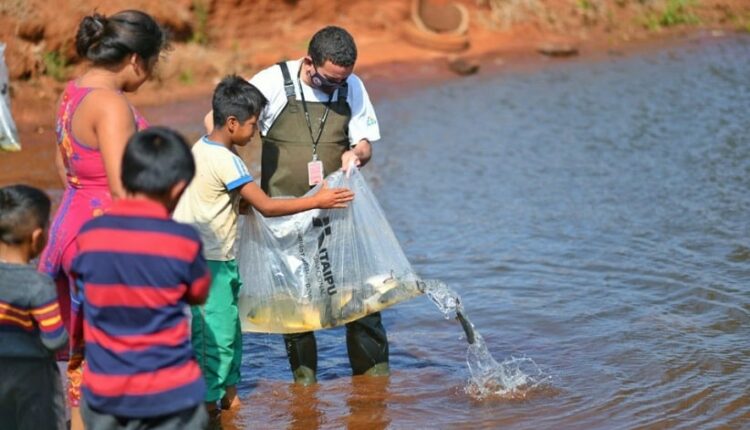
59	163
113	127
208	121
60	166
360	154
325	198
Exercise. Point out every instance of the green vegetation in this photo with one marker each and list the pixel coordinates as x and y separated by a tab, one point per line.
678	12
186	77
55	65
586	5
675	12
745	24
591	11
200	32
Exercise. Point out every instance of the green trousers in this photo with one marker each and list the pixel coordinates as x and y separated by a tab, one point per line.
216	333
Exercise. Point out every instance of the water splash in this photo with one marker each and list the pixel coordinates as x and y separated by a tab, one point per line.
513	378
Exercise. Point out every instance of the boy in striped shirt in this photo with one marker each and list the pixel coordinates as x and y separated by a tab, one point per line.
30	325
139	270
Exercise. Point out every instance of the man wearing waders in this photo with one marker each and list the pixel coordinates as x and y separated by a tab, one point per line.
318	119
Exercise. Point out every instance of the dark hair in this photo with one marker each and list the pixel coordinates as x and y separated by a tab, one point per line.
155	160
332	44
109	40
22	210
236	97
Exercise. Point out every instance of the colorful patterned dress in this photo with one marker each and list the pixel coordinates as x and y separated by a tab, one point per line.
86	196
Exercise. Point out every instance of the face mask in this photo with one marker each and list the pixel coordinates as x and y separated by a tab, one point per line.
322	83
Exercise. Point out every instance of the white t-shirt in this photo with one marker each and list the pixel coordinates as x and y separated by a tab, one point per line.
211	201
362	125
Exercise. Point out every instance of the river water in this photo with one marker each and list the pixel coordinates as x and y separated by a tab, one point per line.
593	216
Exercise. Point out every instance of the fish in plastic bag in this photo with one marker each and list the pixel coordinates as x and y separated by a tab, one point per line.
321	268
8	133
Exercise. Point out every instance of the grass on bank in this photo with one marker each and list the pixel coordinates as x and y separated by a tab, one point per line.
55	65
744	23
674	13
186	77
200	31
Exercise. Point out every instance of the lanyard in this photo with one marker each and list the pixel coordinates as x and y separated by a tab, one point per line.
323	119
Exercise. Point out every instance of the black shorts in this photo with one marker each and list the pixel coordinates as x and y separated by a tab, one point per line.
31	395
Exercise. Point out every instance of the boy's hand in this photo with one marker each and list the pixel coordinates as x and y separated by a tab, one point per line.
245	207
328	198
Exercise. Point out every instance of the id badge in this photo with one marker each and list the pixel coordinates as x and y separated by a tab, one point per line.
315	172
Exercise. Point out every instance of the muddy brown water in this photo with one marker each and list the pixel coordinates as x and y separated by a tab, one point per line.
594	218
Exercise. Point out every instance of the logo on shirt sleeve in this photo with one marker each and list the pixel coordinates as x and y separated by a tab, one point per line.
371	121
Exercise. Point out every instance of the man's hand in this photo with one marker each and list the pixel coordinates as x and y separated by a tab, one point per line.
359	155
348	159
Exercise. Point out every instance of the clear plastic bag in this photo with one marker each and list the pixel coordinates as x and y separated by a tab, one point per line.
321	268
8	133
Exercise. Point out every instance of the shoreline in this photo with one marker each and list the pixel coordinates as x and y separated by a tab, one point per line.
428	68
394	78
385	77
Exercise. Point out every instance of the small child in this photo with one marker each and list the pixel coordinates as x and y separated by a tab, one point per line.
31	329
211	203
138	270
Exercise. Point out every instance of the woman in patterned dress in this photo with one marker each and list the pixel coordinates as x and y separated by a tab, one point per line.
94	122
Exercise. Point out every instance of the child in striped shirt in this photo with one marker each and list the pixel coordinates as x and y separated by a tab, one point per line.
139	270
31	329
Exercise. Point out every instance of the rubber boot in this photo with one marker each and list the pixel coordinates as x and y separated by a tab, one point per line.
302	351
367	344
303	375
380	369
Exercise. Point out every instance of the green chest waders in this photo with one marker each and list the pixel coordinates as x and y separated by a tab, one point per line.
288	145
287	148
